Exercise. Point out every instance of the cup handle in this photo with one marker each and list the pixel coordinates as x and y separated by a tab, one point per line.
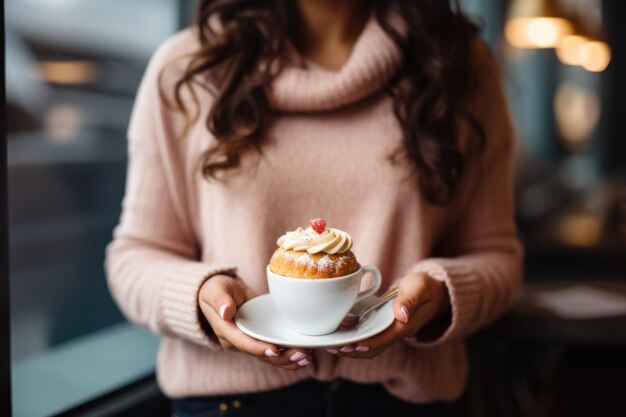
378	279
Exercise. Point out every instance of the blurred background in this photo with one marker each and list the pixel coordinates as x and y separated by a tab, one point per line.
72	69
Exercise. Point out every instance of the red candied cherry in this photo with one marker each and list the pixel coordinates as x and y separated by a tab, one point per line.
318	225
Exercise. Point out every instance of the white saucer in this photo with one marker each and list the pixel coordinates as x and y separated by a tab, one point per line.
260	319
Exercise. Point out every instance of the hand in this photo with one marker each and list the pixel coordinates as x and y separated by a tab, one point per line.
420	300
219	298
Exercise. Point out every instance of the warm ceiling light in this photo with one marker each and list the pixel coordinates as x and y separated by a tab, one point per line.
580	229
67	72
576	112
536	32
595	56
535	24
63	123
569	49
585	47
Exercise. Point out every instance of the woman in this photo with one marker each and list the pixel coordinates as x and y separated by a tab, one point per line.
387	118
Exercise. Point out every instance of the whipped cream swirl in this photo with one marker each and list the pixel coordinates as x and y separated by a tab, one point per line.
330	241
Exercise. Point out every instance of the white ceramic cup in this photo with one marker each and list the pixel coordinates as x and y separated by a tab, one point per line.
317	306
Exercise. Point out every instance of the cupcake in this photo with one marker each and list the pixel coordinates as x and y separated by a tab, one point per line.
316	252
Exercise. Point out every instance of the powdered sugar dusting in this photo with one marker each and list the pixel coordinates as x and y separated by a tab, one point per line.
322	265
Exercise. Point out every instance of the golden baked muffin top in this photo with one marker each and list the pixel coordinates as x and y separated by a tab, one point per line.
314	252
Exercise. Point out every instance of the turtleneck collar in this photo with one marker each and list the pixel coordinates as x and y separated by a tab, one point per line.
304	86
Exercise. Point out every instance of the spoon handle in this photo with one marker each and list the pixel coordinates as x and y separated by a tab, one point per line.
381	300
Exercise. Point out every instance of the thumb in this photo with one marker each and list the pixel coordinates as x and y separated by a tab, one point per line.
225	294
412	294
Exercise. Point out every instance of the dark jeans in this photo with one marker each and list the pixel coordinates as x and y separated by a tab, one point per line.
309	398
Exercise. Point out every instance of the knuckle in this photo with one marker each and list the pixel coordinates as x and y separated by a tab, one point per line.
267	359
280	361
229	346
219	285
210	285
225	343
413	299
220	279
205	295
415	283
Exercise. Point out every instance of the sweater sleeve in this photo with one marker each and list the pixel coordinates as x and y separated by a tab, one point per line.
153	267
482	255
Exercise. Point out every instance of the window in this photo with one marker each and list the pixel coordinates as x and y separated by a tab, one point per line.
72	71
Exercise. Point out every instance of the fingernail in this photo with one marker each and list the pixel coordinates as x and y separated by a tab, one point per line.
405	313
333	351
346	349
362	349
304	362
270	353
297	356
223	310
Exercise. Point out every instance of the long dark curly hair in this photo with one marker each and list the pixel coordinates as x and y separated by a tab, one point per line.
429	92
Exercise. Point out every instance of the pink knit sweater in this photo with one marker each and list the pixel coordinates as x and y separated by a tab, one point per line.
326	154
